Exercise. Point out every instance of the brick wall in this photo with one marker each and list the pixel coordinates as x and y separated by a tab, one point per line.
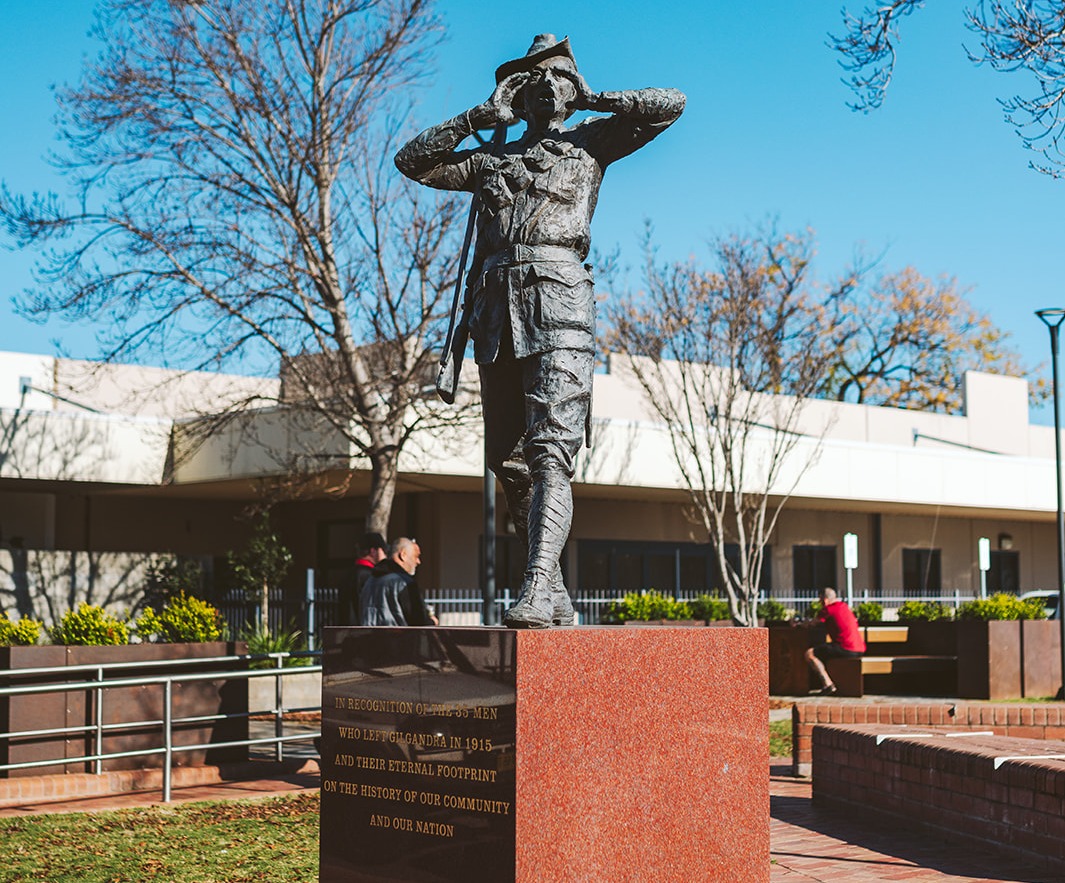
1022	720
986	790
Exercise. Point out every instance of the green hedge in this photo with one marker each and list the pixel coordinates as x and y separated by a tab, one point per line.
1002	606
183	620
647	606
924	611
23	633
90	626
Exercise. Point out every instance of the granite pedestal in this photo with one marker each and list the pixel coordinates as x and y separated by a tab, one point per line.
583	754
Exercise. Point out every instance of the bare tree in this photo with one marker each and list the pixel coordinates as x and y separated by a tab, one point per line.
868	50
235	208
1014	35
728	360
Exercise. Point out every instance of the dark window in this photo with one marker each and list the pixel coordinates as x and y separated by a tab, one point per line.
921	570
338	549
813	567
617	565
1005	572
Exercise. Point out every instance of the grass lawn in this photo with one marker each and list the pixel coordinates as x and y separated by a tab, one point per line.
274	840
780	738
267	841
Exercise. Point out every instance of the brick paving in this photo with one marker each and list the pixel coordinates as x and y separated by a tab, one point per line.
811	844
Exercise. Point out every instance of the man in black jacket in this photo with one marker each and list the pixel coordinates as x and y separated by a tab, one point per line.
391	596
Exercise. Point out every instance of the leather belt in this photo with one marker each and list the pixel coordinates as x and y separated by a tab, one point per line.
526	254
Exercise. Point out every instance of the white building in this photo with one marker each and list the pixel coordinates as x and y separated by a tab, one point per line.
90	486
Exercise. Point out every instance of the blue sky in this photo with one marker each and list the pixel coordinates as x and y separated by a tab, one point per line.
935	178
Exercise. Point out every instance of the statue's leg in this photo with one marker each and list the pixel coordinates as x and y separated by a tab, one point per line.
557	396
502	402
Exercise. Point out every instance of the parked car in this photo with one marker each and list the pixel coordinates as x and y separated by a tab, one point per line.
1049	598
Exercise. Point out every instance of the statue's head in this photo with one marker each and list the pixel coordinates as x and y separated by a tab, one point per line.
550	92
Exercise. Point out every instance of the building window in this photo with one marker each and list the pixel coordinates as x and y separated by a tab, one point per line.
510	562
921	570
813	567
339	547
619	566
1005	572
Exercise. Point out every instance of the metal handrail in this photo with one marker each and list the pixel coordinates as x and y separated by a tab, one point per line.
153	663
168	749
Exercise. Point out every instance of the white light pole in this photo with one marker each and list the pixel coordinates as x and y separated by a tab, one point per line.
850	563
983	548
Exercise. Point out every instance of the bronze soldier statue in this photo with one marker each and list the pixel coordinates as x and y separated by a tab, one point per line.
529	300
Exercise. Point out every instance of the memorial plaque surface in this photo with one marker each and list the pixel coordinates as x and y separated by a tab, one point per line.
559	755
418	755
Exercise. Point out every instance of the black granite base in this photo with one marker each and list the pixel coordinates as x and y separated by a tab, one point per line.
418	762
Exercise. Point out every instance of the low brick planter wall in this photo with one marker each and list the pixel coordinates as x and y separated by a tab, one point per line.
990	791
1021	720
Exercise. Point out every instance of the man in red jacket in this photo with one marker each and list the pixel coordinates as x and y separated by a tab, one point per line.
845	634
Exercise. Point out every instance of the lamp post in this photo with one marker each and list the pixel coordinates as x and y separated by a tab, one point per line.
1053	318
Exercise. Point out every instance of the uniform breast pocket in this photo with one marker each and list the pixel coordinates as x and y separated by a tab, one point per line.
565	295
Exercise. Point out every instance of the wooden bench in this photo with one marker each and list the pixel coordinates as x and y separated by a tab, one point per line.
849	674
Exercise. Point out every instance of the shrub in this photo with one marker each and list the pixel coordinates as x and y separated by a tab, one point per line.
647	606
261	641
260	567
90	626
23	633
772	611
710	607
924	611
869	612
1002	606
184	620
168	578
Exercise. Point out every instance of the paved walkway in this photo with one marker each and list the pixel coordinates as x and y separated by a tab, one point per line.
807	844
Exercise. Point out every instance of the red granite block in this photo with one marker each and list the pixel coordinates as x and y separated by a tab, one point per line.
641	755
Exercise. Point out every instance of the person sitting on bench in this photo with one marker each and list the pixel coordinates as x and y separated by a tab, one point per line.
841	626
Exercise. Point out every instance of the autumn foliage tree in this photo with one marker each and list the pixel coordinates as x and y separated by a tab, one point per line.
234	207
906	341
728	358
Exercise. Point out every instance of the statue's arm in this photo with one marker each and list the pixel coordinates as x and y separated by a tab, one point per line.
636	116
659	107
431	157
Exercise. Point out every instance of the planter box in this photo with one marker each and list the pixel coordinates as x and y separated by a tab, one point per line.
120	705
1008	659
789	675
299	691
1000	659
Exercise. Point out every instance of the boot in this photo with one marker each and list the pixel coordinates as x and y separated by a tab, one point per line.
536	604
561	606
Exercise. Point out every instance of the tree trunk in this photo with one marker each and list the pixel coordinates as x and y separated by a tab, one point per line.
383	472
